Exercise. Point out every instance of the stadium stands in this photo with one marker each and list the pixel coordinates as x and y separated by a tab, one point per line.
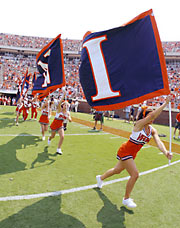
14	64
171	46
36	42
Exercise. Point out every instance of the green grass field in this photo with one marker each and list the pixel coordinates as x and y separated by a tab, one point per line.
28	166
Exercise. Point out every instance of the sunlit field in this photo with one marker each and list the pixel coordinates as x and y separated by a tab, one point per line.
39	188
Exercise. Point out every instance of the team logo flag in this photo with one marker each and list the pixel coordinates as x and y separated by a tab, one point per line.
50	64
124	65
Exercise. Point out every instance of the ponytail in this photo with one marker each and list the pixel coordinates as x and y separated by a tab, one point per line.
144	112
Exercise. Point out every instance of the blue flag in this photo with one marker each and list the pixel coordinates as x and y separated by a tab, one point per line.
23	85
124	65
50	64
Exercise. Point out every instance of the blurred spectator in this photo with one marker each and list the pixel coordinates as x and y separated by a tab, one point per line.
13	101
110	114
127	110
177	126
131	114
76	103
98	116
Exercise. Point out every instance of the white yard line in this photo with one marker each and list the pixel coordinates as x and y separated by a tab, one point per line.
61	192
115	137
14	135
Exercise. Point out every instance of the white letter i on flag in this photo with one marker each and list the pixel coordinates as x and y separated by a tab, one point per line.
99	69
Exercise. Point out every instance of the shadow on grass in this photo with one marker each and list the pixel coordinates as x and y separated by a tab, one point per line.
8	158
7	122
45	213
43	157
8	113
177	139
109	215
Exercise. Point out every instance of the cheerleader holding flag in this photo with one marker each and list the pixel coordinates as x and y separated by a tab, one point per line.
35	105
141	134
44	118
125	66
50	64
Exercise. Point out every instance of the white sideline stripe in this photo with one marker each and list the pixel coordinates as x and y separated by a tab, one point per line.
105	133
146	146
115	137
57	193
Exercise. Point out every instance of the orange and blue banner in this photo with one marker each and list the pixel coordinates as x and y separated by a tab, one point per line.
50	64
124	65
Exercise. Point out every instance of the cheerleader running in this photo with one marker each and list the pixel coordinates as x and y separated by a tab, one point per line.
141	134
34	106
57	124
18	110
44	118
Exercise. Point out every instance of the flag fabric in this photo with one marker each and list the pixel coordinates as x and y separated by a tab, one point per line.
19	81
50	64
17	95
34	78
124	65
23	85
26	84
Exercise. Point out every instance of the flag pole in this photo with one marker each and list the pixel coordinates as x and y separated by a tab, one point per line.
170	131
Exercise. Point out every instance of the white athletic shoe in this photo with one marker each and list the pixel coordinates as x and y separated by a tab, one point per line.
59	151
43	138
129	203
17	124
174	137
99	181
49	141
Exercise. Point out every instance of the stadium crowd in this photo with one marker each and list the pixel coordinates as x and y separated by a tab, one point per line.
171	46
13	66
36	42
68	44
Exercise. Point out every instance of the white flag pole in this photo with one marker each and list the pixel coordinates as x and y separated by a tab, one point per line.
170	129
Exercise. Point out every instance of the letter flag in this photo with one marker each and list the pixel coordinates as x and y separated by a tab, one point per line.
50	64
123	65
